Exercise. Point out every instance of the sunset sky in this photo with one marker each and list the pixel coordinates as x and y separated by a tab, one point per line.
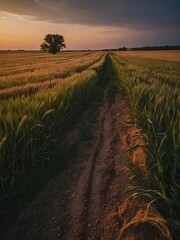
89	24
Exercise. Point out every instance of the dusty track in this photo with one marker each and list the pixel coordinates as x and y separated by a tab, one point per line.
93	192
88	205
99	209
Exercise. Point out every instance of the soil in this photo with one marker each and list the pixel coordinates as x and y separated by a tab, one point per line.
89	200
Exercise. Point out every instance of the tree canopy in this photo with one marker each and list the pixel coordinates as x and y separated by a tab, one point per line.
53	43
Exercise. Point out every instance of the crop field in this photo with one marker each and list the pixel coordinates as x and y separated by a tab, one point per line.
25	73
172	55
153	88
43	96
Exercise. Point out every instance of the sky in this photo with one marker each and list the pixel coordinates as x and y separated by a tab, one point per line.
89	24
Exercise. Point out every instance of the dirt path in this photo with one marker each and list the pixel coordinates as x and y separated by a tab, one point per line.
88	202
87	206
99	209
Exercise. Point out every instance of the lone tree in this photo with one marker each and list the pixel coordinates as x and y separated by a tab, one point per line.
53	43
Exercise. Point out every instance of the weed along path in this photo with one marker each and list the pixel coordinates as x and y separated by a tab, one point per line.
88	200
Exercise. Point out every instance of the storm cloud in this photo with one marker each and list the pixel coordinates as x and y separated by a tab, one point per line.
123	13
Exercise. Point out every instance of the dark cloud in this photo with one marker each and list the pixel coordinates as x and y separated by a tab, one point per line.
133	13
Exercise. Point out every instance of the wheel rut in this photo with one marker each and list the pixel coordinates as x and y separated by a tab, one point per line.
89	190
102	161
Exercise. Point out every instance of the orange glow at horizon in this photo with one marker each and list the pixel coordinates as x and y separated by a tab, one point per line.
19	32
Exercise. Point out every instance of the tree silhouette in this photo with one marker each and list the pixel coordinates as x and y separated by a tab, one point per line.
53	43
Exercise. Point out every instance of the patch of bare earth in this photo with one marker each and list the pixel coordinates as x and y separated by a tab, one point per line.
88	202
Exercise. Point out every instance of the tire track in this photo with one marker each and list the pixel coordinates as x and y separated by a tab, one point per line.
87	208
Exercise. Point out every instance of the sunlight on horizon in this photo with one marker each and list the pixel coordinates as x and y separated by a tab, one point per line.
18	32
21	32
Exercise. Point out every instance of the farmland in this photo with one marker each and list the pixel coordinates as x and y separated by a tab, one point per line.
31	72
96	120
173	55
153	89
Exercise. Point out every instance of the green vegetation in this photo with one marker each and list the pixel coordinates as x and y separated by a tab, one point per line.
30	131
153	89
37	109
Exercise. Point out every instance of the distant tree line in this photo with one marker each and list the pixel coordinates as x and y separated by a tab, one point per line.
54	43
148	48
157	48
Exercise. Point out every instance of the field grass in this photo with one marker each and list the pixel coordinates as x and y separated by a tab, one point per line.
42	77
172	55
31	126
153	87
17	69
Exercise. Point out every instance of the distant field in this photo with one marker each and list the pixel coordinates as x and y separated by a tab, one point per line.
17	69
172	55
26	73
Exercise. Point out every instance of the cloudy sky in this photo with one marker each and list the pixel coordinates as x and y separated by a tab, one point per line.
89	24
